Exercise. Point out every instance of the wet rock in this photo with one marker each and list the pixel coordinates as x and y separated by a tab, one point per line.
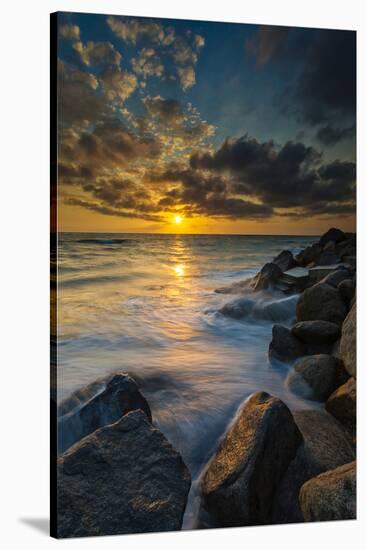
97	405
326	445
239	483
284	346
321	302
331	495
342	404
317	376
347	289
309	255
336	277
316	332
328	258
285	260
267	277
123	478
333	234
347	347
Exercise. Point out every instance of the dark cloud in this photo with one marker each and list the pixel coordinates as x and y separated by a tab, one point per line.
327	84
328	135
289	177
109	211
266	43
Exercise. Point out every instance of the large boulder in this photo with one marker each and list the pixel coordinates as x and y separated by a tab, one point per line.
336	277
326	445
285	260
239	483
97	405
328	258
347	289
321	302
309	255
267	277
316	332
331	495
123	478
342	404
284	346
333	234
347	347
317	376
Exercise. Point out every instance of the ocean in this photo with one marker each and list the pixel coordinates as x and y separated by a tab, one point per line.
146	304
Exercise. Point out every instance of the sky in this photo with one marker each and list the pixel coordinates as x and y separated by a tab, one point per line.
177	126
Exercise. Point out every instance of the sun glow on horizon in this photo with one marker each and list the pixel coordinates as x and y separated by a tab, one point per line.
178	219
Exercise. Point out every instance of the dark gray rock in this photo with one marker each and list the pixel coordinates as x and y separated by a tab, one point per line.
309	255
97	405
347	289
326	445
123	478
321	302
336	277
347	347
317	376
267	277
316	332
285	260
239	483
328	258
331	495
342	404
284	346
333	234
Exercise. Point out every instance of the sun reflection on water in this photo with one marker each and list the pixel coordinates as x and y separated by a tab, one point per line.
179	270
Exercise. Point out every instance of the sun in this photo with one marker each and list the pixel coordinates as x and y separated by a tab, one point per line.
178	219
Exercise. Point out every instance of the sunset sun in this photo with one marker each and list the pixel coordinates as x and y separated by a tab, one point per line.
178	219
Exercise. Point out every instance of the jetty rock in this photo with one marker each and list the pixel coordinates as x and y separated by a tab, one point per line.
97	405
321	302
331	495
241	479
342	404
326	445
316	332
123	478
347	347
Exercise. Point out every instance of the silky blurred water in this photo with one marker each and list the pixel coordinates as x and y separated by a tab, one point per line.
146	305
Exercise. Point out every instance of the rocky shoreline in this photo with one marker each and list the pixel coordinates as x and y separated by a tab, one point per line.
117	473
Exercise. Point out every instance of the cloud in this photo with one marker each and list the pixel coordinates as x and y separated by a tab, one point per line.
110	211
133	30
266	43
328	135
187	77
147	63
326	87
118	84
95	53
289	177
70	32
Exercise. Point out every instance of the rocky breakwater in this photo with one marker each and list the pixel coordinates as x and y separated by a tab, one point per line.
122	475
311	472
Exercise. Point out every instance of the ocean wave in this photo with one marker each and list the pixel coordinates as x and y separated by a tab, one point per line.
264	309
104	241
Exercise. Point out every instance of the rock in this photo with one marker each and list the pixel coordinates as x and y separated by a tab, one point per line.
321	373
328	258
321	302
285	260
267	277
331	495
333	234
284	346
97	405
347	289
336	277
240	481
342	404
330	246
309	255
326	445
123	478
347	347
316	332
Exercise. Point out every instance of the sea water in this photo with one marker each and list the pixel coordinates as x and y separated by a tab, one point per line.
146	304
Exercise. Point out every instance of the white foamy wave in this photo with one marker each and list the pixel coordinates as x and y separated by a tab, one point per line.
264	309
